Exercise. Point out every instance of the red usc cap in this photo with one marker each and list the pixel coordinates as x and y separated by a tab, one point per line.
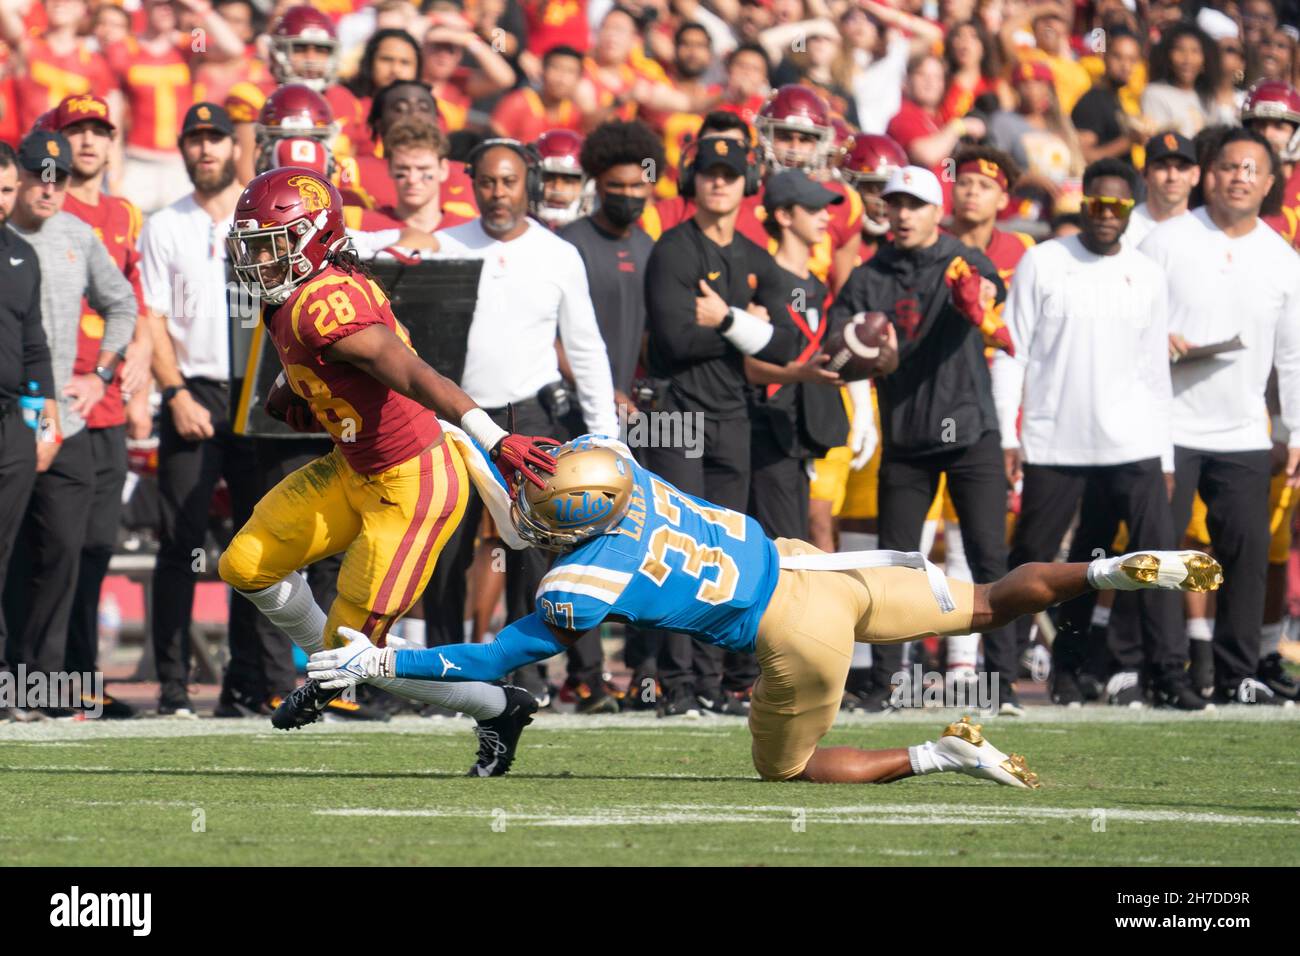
82	106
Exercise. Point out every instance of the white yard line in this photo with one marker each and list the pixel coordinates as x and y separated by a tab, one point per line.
642	724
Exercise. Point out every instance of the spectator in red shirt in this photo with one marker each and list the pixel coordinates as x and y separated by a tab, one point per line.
415	149
974	65
918	127
389	56
454	84
54	63
525	114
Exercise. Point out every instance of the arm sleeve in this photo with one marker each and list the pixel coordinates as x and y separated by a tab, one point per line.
671	285
1286	359
111	295
36	347
526	641
1008	373
1155	351
585	347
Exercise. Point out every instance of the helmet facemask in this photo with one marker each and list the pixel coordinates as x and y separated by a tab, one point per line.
812	157
272	261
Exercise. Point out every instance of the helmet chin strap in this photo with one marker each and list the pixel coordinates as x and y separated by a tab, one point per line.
873	228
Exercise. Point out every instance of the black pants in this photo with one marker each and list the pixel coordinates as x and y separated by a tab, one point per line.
17	478
108	459
1135	493
43	578
1234	487
188	471
262	665
720	475
778	490
444	598
978	484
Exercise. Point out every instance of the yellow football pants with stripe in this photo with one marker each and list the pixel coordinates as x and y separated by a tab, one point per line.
390	526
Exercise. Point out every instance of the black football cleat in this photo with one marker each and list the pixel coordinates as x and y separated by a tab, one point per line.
1273	675
499	736
303	706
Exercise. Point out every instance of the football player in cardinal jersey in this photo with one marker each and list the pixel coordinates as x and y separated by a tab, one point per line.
303	49
1272	108
567	193
634	548
395	486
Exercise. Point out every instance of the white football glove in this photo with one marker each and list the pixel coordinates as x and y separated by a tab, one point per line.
862	431
352	664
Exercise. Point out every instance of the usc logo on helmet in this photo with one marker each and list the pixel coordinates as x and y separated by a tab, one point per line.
314	196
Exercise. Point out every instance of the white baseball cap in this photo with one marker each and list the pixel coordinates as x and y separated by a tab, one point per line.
915	181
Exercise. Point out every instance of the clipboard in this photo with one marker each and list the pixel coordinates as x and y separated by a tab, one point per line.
1233	344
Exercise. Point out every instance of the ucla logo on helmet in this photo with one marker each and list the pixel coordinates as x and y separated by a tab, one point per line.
572	512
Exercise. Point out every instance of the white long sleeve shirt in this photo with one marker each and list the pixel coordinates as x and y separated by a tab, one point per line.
1219	287
531	288
1092	358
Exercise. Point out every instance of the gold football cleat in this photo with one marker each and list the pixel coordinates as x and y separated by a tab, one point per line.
1173	570
964	742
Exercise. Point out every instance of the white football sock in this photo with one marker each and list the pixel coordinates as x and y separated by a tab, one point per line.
861	657
963	651
1270	639
413	631
1101	617
472	698
1200	628
954	564
928	532
289	605
859	541
926	759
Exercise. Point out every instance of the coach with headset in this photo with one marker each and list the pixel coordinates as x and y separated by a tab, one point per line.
533	288
700	281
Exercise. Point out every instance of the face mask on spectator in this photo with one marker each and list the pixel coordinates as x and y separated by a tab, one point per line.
622	210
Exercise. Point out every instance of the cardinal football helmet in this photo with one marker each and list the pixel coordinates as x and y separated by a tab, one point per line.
559	151
1276	100
799	109
303	26
288	224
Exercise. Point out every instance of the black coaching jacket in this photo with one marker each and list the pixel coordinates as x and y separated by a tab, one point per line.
941	396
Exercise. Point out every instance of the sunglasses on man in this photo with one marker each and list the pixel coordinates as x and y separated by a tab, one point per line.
1095	205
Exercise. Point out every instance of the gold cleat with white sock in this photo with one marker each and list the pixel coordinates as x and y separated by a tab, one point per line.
1165	570
1173	570
965	743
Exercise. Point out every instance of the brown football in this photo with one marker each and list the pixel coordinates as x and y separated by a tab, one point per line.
854	348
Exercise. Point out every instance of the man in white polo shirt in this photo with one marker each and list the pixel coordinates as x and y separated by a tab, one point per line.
183	275
1230	275
1087	316
533	289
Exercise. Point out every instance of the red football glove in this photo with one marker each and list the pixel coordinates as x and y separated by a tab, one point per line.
964	283
525	454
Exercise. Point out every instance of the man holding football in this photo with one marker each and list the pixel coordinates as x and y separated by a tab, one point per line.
636	549
393	489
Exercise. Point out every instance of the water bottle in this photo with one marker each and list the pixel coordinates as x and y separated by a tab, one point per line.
32	405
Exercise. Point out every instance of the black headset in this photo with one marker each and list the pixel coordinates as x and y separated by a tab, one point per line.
686	178
532	163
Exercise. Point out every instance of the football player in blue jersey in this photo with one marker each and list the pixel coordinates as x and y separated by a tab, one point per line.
635	549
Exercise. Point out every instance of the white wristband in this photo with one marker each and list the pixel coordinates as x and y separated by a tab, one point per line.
747	333
480	427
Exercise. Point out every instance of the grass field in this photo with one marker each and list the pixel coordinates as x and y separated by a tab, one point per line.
1119	788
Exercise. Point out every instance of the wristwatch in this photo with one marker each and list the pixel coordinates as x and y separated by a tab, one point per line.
105	374
170	391
727	322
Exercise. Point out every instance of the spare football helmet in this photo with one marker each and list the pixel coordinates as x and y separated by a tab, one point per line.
588	495
558	151
295	111
288	224
1275	99
797	108
303	26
